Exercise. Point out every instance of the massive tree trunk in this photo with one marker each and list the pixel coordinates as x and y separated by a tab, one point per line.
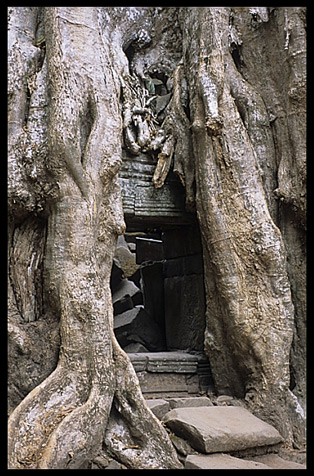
250	312
234	133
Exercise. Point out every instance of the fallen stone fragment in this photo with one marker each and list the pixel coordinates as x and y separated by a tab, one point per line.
221	461
126	289
135	347
181	445
116	274
158	406
124	304
221	428
136	325
224	399
125	257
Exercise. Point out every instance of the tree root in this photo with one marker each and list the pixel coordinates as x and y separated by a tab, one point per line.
56	429
134	434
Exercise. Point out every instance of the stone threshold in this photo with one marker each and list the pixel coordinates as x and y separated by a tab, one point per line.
173	372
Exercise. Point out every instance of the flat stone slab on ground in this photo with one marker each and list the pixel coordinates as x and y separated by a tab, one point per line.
276	462
221	429
221	461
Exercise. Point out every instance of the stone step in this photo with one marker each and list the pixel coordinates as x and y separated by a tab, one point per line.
274	461
220	461
161	406
164	372
219	429
225	461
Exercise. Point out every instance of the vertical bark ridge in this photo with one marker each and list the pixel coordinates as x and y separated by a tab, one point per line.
61	423
252	311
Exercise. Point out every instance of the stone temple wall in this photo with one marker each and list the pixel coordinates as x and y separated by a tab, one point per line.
160	289
144	204
157	281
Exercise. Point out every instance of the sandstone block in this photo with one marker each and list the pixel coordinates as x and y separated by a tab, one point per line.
168	382
221	461
179	362
126	289
184	402
125	257
148	249
158	406
185	312
136	325
221	429
276	462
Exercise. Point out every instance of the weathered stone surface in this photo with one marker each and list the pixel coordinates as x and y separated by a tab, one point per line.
184	312
276	462
221	461
158	406
135	347
168	382
152	285
183	265
221	429
178	362
168	371
181	242
184	402
181	445
204	374
136	325
163	362
148	249
127	288
125	257
139	361
224	400
142	201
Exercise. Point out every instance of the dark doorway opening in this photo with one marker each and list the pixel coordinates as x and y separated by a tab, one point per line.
158	289
157	283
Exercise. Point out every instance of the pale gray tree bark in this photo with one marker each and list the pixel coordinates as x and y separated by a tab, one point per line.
234	132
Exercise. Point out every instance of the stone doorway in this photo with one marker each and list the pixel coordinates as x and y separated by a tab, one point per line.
157	282
158	290
159	306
